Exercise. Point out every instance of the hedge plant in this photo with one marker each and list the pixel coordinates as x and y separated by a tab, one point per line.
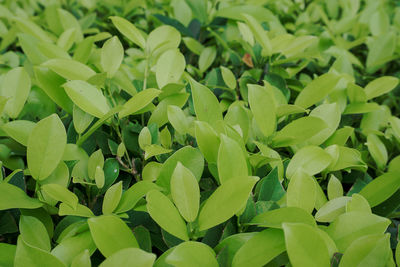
199	133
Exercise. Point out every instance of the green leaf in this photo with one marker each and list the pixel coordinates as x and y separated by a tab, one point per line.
99	177
231	160
111	234
206	58
262	105
87	97
358	203
82	260
7	254
377	150
190	157
207	140
275	218
129	31
270	187
310	160
72	247
81	119
95	160
381	188
260	35
138	102
112	54
69	69
16	89
178	119
155	150
27	255
46	145
185	192
380	86
193	45
34	233
19	130
317	90
206	104
131	196
165	214
301	192
12	197
381	50
298	131
133	257
370	250
144	138
226	200
350	226
260	249
332	209
192	253
305	246
228	77
51	84
80	210
60	193
335	188
112	198
170	67
162	39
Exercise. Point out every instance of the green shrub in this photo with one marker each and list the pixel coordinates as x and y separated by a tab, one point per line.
199	133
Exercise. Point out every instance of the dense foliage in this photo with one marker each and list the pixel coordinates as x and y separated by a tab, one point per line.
199	133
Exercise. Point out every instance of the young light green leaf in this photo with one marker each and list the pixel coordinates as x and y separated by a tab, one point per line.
380	86
81	119
301	192
190	157
170	67
207	140
112	198
111	234
131	196
298	131
27	255
226	200
317	90
381	188
19	130
206	58
46	145
165	214
99	177
82	260
112	54
335	188
87	97
95	160
12	197
60	193
377	150
129	31
34	233
185	192
358	203
138	102
162	39
310	159
260	35
231	160
206	104
350	226
178	119
372	250
144	138
133	257
275	218
332	209
262	106
69	69
15	87
193	45
260	249
305	246
154	150
80	210
192	253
